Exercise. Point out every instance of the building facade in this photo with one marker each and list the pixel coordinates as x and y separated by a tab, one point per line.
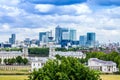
103	66
12	39
82	41
91	39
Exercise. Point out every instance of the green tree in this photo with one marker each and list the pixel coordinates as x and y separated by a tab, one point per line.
39	51
0	60
19	60
25	61
65	69
5	61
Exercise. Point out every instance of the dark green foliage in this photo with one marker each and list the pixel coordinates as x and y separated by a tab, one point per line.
25	61
65	69
0	60
39	51
5	61
18	60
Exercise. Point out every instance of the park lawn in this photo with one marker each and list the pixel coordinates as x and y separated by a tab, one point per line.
110	77
25	77
13	77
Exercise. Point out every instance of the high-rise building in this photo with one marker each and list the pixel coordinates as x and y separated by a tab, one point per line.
64	34
45	37
72	34
12	39
82	40
41	35
58	34
91	39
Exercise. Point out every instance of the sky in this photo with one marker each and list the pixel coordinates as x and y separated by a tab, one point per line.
26	18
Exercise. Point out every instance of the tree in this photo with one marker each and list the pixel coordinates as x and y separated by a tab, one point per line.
65	69
0	60
25	61
5	61
19	60
39	51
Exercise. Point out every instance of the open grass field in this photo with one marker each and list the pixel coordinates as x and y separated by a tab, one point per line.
24	77
13	77
110	77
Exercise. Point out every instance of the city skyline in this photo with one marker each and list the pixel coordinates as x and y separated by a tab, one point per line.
27	18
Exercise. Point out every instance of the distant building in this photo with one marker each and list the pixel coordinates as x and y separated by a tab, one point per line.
53	53
12	39
5	45
37	63
64	36
41	36
82	41
91	39
45	37
72	33
13	54
103	66
27	42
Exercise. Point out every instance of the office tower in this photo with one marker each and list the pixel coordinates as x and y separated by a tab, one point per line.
65	36
91	38
58	34
41	35
45	37
82	40
72	34
12	39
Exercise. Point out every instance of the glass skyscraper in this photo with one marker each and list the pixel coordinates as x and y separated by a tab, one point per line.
41	34
64	34
45	36
12	39
72	34
91	38
82	40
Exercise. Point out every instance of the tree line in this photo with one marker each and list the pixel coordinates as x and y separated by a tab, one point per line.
18	60
43	52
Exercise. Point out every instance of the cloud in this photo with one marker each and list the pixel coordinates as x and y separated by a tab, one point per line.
104	2
55	2
27	18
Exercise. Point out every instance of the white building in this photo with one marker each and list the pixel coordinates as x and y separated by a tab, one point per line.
37	63
76	54
103	66
13	54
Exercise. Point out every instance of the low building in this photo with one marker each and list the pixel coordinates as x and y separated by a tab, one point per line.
103	66
37	63
76	54
13	54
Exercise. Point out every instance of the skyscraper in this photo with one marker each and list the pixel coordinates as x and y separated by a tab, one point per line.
91	38
72	34
82	40
58	34
12	39
64	34
41	35
45	37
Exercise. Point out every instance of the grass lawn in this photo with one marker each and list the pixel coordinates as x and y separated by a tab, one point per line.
24	77
110	77
13	77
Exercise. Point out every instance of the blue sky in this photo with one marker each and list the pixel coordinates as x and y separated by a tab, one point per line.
27	18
